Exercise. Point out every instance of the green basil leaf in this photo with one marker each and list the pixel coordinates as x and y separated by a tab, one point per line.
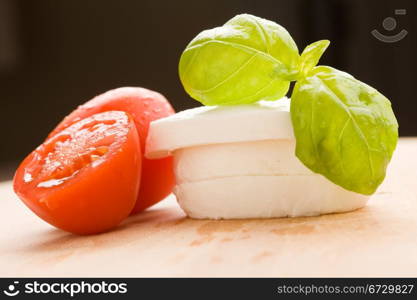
243	61
344	129
311	55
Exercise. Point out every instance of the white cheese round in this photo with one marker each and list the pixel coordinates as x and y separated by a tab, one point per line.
269	157
207	125
242	197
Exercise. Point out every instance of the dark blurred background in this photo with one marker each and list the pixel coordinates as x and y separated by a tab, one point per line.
55	55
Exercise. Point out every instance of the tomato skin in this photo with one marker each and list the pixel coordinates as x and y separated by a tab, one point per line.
144	106
95	199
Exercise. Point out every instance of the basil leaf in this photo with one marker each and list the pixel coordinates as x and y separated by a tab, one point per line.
311	55
243	61
344	129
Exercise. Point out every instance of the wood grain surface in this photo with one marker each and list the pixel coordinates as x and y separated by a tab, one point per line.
378	240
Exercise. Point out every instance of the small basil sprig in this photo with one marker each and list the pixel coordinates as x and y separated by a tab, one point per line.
311	56
344	129
245	60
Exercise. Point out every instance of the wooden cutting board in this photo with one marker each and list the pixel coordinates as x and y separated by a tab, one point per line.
379	240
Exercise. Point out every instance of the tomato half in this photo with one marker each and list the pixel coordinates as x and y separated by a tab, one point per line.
144	106
84	179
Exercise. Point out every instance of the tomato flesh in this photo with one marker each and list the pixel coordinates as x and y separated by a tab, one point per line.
144	106
84	179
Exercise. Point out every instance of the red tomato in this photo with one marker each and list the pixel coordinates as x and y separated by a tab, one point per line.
84	179
144	106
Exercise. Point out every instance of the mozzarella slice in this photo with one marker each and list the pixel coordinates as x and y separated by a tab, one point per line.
241	197
265	120
268	157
